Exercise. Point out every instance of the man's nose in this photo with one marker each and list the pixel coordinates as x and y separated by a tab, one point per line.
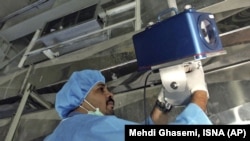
109	94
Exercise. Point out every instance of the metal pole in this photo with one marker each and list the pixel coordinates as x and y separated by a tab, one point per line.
120	9
172	4
17	116
41	100
30	46
138	15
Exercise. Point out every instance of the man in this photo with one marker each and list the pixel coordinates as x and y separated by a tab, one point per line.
86	107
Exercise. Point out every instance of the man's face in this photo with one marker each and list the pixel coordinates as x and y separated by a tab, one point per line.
100	97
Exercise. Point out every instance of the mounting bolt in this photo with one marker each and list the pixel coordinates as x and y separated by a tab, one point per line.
174	85
188	6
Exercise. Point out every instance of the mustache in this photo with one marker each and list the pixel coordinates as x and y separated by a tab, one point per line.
110	99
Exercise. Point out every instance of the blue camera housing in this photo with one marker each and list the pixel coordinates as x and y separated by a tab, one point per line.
189	34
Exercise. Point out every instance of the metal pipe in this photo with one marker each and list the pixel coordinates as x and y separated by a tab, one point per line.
5	63
172	4
247	62
17	116
41	101
138	15
120	65
26	78
233	31
121	9
30	46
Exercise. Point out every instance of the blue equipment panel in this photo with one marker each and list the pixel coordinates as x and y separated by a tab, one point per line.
187	34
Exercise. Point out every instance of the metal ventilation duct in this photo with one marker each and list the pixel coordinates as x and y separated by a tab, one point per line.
30	25
71	25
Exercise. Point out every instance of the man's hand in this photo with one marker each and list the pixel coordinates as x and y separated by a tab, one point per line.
196	77
161	96
162	102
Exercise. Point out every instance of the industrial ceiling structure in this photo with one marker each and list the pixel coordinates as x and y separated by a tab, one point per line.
43	41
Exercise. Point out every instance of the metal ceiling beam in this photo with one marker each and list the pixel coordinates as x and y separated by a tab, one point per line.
23	10
223	15
226	5
238	36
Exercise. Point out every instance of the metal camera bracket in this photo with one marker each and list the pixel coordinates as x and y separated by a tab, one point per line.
174	82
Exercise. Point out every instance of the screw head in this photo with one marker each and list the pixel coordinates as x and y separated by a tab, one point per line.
174	85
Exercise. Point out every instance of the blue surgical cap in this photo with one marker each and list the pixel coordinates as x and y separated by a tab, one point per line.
75	90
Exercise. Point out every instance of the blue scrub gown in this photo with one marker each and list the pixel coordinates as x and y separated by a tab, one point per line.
87	127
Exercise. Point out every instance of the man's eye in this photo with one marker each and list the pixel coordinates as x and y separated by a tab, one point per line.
102	89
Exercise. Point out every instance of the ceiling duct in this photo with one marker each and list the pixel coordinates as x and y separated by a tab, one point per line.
31	24
74	24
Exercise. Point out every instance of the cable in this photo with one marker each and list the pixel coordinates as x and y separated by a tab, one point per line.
144	97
